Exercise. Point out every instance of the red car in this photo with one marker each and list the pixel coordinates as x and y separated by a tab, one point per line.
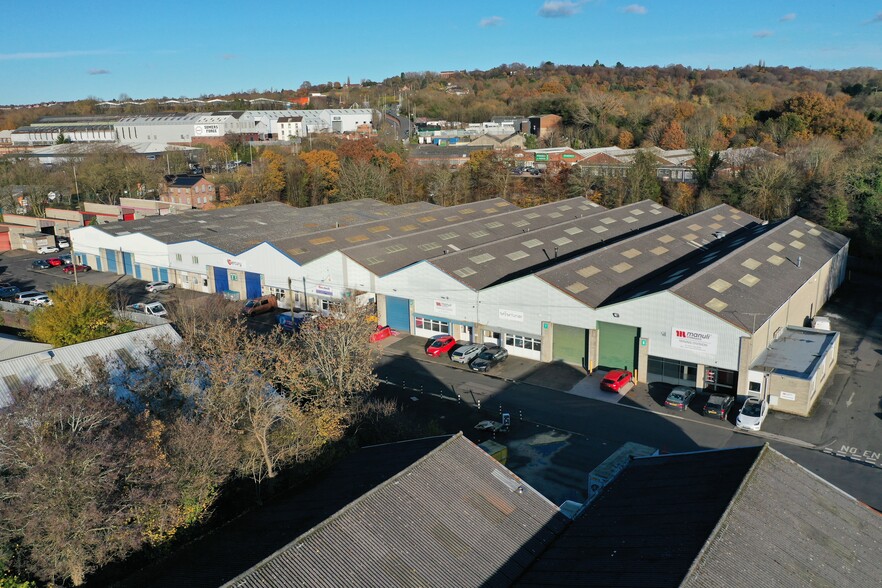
69	269
55	262
440	344
615	380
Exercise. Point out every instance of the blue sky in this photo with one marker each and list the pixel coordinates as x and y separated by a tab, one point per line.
66	50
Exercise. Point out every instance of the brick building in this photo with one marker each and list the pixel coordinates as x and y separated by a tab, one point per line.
190	190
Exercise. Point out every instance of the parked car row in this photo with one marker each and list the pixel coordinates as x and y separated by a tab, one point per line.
65	262
750	417
477	356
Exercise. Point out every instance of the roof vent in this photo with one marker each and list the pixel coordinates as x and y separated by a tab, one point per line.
719	234
46	356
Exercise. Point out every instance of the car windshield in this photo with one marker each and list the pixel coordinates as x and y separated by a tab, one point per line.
439	342
676	397
486	355
751	409
250	304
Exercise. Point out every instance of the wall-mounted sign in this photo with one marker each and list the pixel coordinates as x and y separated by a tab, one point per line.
208	131
323	290
569	155
696	341
511	315
235	263
787	395
541	157
445	307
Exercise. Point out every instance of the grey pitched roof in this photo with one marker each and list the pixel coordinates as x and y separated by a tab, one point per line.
788	527
44	368
240	228
732	518
746	286
384	257
456	518
305	248
599	276
184	180
506	258
261	532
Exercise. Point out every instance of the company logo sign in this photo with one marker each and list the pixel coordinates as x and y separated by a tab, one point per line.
207	131
323	290
696	341
511	315
235	263
445	307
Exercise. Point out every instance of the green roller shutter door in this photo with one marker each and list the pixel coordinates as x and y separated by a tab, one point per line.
570	345
618	346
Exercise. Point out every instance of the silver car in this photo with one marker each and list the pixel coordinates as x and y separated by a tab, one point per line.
467	353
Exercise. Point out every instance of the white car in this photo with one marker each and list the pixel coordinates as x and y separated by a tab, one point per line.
153	308
47	249
158	286
752	414
467	353
42	300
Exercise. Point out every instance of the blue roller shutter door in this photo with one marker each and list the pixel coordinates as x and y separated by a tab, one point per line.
252	285
163	274
221	280
128	264
155	271
111	261
398	313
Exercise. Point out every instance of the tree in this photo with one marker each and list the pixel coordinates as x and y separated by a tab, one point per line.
79	313
673	137
706	164
336	352
362	179
323	167
531	141
769	189
79	476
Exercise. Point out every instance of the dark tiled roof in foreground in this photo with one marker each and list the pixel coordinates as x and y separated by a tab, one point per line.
240	228
505	259
306	248
384	257
456	518
733	518
602	275
647	527
257	534
749	284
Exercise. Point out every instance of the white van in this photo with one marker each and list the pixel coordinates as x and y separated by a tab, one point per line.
27	297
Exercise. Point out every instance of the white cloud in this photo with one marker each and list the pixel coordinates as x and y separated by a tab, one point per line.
634	9
788	17
560	8
491	21
763	34
48	55
98	72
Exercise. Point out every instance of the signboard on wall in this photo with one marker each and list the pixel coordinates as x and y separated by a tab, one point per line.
235	263
323	290
696	341
445	307
208	131
511	315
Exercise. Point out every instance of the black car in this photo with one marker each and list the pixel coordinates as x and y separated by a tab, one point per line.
718	406
8	292
41	264
488	358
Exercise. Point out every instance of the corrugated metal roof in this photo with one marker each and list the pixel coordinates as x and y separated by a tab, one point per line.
746	286
11	347
305	248
506	258
44	368
494	223
604	275
456	518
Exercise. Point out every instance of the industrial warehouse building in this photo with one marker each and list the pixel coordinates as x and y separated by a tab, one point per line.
684	300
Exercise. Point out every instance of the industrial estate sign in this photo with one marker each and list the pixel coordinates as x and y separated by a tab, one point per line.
323	290
511	315
445	307
208	131
694	341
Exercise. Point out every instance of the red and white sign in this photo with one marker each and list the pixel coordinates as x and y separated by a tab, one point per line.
696	341
235	263
443	307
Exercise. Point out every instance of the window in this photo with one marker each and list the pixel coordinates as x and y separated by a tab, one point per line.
527	343
753	386
195	260
234	277
178	257
432	325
